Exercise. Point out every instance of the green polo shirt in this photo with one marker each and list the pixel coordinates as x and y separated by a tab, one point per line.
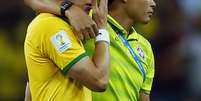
126	80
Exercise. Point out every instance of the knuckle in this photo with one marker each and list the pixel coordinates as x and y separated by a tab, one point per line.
87	28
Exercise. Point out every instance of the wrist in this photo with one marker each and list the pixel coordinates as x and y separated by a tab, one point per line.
103	35
102	27
69	12
65	6
102	24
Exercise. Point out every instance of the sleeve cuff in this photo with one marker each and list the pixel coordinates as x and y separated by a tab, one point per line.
145	92
70	65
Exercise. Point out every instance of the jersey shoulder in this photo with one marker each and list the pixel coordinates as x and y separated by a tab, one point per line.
145	42
147	48
46	25
47	22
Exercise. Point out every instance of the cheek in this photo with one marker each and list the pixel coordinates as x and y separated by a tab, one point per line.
138	10
132	9
140	16
79	2
143	10
144	18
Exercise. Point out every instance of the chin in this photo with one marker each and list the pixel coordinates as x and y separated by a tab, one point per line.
145	21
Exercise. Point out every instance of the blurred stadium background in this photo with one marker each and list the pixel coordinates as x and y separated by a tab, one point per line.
175	33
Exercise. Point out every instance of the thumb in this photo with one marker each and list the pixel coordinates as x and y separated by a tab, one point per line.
95	5
103	4
94	9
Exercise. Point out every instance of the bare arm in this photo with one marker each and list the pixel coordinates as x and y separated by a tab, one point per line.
27	93
94	73
144	97
44	6
77	17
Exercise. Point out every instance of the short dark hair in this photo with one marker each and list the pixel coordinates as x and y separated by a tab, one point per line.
110	2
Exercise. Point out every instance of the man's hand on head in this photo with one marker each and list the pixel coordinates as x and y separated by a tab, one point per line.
83	24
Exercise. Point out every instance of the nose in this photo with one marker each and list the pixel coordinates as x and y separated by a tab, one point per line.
153	4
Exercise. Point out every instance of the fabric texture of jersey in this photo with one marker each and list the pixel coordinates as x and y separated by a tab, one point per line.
51	49
126	80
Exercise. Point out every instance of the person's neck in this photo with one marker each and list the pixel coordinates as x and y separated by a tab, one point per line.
123	19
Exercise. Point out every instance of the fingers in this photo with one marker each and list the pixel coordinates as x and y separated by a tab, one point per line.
100	14
80	36
95	29
83	24
95	4
95	8
91	32
103	4
85	33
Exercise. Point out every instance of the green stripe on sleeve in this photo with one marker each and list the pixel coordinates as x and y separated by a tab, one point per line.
69	66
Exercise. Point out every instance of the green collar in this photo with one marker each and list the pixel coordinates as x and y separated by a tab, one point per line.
115	23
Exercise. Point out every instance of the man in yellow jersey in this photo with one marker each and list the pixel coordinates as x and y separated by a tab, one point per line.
58	66
132	60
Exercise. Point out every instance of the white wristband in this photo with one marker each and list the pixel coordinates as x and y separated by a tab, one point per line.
103	36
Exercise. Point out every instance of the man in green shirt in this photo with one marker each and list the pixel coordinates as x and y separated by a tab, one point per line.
132	60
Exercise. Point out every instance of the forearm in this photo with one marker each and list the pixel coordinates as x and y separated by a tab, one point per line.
144	97
93	73
45	6
27	93
101	59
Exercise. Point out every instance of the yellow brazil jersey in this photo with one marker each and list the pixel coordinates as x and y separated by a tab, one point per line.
126	80
51	49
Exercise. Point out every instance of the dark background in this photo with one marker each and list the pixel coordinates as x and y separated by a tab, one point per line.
174	32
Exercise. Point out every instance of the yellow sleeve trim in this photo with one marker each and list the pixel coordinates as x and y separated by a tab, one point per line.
69	66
